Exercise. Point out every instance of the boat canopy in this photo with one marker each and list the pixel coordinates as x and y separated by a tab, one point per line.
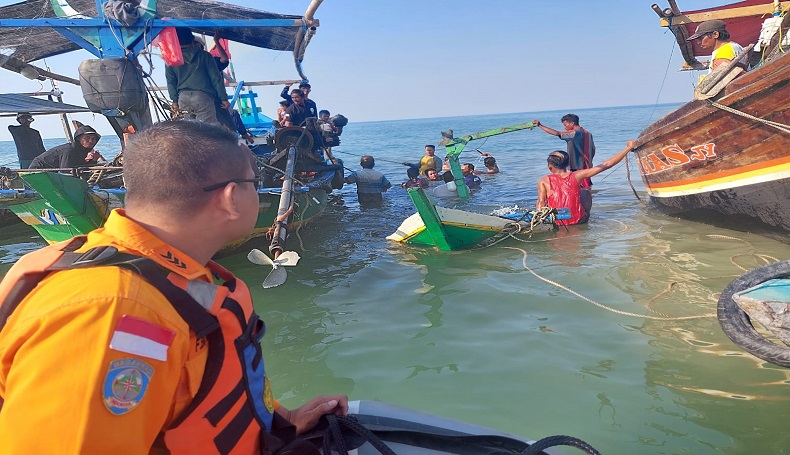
13	103
28	44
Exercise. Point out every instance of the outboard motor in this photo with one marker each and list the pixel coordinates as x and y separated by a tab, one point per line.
114	87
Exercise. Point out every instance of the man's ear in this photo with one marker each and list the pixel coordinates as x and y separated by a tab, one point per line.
225	202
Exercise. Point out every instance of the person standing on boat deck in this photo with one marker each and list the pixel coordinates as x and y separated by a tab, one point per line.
27	140
581	150
429	161
71	155
370	183
140	350
296	113
713	35
197	86
562	188
312	108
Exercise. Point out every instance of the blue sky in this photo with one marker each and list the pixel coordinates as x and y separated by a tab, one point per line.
382	60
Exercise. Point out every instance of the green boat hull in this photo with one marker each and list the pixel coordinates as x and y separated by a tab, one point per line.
64	206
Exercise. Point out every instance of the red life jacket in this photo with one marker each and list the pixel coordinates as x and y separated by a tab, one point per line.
565	192
233	409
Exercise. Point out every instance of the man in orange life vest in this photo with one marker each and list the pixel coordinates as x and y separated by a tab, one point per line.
562	188
121	342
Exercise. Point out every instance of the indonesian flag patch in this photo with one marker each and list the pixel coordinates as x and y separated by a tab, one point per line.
138	337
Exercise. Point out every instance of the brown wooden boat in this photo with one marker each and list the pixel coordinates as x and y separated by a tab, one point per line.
725	160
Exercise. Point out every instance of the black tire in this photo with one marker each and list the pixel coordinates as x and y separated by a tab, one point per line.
737	325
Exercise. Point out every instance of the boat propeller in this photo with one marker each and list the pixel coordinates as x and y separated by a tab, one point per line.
278	275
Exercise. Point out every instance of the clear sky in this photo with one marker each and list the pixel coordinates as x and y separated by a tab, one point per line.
384	60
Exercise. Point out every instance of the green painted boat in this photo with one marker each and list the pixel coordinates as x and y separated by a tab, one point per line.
452	229
61	206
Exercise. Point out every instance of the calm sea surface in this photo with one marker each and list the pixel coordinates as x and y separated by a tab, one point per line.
488	336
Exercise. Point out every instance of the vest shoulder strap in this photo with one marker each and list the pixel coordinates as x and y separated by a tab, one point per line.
198	319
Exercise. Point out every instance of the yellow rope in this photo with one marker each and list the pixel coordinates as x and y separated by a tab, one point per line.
608	308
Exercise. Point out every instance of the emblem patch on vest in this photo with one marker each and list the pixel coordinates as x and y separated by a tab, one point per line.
125	385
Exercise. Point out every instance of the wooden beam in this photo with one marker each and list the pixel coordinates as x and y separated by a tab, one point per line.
744	11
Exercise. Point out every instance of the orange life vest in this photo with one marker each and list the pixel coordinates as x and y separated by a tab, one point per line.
233	409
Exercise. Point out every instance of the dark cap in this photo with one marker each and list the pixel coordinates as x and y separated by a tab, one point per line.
708	27
84	130
23	115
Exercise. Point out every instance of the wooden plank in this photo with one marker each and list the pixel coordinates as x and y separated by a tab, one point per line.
433	224
744	11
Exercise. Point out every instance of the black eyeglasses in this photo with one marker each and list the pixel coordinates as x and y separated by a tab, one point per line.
226	182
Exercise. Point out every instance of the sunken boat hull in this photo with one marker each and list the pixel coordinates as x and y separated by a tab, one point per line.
705	163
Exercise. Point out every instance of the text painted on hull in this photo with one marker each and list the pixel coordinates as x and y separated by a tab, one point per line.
674	156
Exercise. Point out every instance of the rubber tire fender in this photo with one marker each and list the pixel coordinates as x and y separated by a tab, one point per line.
737	325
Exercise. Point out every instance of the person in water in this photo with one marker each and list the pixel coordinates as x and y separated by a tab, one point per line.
490	163
370	183
581	149
471	180
429	161
71	155
27	140
414	179
139	343
561	188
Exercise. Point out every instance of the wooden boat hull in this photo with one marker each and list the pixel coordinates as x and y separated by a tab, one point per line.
706	164
450	229
63	206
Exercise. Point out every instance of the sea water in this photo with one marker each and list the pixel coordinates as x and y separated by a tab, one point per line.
570	333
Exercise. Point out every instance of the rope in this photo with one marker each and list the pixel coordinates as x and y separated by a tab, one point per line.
349	421
538	447
630	183
545	215
780	126
600	305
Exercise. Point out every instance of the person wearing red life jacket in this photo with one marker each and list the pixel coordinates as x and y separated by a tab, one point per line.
561	188
131	339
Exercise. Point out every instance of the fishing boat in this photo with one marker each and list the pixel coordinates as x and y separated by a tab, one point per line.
724	158
373	427
296	176
450	229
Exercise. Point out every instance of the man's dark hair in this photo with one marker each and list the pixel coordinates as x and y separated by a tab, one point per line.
724	35
367	162
168	163
558	159
185	36
413	172
489	161
570	118
298	92
448	177
322	112
471	166
305	84
429	146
